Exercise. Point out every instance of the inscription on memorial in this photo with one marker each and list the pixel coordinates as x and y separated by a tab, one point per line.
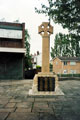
46	84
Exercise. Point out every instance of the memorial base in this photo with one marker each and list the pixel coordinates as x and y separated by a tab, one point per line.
45	84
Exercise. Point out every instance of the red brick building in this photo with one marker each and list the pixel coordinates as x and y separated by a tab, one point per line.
66	65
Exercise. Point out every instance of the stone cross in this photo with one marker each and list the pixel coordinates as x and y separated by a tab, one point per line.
45	30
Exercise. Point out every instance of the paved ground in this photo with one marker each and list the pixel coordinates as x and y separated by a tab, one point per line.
15	104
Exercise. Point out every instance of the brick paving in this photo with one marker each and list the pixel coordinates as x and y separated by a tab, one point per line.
16	104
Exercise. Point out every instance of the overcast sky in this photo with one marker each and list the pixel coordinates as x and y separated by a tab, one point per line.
23	10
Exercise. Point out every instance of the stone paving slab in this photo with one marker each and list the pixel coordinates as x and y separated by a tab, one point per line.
16	104
45	99
15	101
42	110
41	104
24	104
23	110
47	116
23	116
3	116
29	99
10	105
7	110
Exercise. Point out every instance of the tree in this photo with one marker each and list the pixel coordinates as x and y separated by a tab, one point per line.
47	10
63	46
66	13
28	63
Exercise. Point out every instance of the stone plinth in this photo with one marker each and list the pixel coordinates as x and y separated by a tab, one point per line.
47	89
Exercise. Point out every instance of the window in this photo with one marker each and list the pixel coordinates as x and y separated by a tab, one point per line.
72	63
73	71
65	63
65	71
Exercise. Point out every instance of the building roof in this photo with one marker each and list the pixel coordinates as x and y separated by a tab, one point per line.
11	26
69	58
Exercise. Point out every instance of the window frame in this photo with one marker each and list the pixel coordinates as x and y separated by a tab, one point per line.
65	63
72	63
65	71
73	71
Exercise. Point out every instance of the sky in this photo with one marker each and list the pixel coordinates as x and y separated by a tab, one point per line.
24	11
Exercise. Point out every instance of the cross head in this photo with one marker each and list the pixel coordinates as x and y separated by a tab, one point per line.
45	29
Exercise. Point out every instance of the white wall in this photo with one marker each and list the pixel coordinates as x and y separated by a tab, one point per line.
39	59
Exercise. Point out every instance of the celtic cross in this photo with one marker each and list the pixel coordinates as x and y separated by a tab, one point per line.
45	30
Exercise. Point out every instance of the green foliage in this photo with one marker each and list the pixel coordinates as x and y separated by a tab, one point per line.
68	75
63	46
47	10
38	67
28	63
66	13
51	67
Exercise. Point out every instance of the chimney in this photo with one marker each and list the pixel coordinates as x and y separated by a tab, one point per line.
37	52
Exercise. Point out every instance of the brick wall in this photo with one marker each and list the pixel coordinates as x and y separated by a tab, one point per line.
59	67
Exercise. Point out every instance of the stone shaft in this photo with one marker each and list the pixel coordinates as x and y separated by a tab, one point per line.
45	53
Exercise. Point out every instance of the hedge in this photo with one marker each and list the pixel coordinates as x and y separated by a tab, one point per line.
68	75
